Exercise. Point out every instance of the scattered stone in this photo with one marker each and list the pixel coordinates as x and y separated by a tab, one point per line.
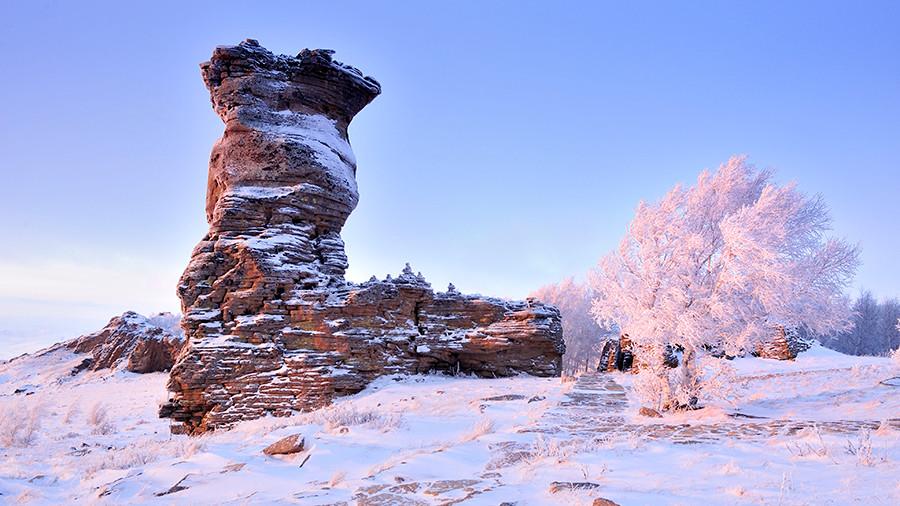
558	486
286	446
83	365
536	398
649	413
506	397
601	501
273	326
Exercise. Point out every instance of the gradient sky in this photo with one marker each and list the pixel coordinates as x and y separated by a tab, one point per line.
509	148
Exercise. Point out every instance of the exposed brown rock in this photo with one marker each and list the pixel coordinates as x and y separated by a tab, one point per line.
600	501
286	445
273	326
616	354
139	342
649	413
784	345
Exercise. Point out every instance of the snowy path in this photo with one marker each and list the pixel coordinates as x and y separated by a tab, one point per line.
595	408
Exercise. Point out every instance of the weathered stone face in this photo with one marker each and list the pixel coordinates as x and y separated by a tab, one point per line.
273	327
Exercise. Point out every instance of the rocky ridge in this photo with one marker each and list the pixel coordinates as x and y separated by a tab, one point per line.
273	326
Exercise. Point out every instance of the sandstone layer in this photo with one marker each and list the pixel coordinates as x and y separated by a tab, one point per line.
273	326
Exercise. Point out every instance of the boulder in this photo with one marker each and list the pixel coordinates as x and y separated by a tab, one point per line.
286	446
785	344
272	325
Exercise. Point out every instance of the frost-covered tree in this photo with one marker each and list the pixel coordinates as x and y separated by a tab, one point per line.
719	266
582	334
873	330
887	336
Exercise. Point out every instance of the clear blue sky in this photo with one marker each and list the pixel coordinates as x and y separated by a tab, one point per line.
509	147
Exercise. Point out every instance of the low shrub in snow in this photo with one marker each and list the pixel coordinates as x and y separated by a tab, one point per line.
71	413
346	415
337	478
143	451
482	427
811	444
561	450
98	418
19	424
862	449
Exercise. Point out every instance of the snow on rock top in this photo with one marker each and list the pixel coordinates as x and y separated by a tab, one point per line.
269	315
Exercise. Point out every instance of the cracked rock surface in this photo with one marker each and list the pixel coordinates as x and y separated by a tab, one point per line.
272	325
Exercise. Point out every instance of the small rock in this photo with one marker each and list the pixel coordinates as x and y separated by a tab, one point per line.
649	413
536	398
602	501
286	446
178	487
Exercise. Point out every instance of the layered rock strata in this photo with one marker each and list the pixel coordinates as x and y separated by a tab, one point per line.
273	326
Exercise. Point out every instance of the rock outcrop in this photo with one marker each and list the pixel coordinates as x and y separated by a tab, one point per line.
273	326
138	343
618	354
786	344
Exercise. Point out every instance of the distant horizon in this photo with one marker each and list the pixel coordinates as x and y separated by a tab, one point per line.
500	161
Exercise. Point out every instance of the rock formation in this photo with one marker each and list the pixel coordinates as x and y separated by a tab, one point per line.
273	326
616	354
140	344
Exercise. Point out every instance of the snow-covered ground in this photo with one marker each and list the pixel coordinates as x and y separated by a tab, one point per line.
819	430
